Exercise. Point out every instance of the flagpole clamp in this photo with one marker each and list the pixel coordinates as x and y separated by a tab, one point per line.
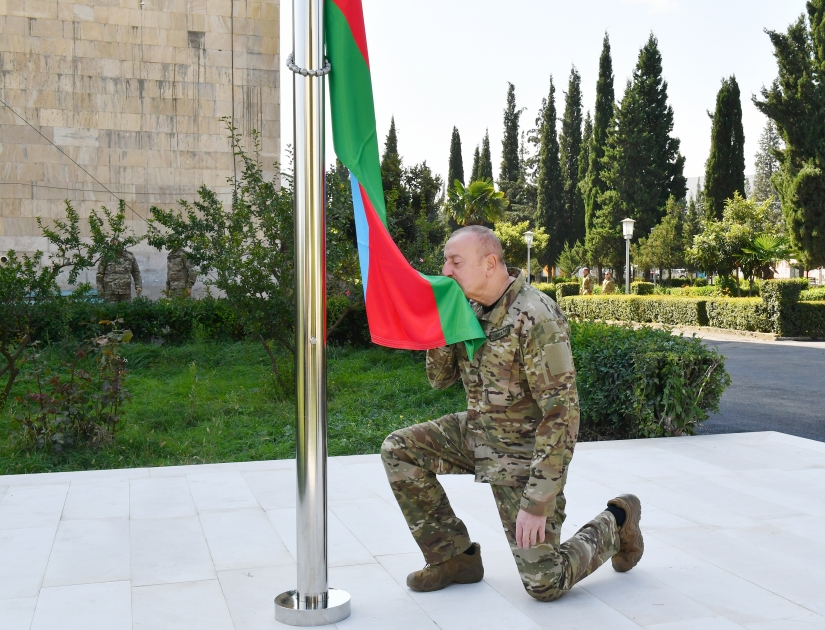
290	63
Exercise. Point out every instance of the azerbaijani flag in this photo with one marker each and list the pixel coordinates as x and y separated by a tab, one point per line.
405	308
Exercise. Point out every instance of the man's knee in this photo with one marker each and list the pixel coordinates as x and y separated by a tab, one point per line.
394	447
543	592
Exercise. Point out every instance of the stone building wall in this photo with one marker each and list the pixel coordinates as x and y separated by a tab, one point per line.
124	99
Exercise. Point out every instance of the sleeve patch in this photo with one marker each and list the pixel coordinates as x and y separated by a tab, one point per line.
557	358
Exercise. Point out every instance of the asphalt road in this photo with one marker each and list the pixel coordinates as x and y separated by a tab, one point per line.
773	387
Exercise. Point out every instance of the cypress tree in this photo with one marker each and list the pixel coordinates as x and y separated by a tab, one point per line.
549	205
725	168
485	162
570	142
456	168
593	185
510	165
474	174
766	164
391	170
795	102
584	156
642	164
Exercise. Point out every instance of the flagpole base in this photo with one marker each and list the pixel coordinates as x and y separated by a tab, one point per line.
292	611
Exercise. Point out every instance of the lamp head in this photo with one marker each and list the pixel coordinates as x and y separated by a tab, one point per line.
627	228
528	238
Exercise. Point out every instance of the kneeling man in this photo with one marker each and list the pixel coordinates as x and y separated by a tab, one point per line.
517	434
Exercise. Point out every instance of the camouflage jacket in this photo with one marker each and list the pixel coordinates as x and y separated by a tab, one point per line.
608	286
116	276
522	402
180	273
587	286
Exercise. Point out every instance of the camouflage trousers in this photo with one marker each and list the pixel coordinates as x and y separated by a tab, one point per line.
414	456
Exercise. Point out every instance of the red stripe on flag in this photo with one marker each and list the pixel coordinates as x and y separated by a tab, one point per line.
401	306
354	13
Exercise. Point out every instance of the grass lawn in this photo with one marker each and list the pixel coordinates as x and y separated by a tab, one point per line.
216	402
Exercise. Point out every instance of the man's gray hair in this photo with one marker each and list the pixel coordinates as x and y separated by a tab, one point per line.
488	243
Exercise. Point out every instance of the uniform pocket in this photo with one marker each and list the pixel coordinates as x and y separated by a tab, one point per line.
557	358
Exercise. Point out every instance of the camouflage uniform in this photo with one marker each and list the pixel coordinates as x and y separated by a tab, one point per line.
517	434
608	286
114	279
587	286
180	274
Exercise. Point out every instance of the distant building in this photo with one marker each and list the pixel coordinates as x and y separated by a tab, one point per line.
784	270
124	99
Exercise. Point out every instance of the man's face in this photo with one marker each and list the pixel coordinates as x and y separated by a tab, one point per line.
586	272
464	264
607	276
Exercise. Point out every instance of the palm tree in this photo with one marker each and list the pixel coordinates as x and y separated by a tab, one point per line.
760	255
476	204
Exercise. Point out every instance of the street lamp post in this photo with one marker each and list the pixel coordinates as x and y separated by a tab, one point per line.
627	231
528	238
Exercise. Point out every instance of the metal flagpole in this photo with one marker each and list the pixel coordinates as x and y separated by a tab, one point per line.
313	603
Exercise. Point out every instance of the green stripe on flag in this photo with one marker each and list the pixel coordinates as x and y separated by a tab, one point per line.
456	323
353	110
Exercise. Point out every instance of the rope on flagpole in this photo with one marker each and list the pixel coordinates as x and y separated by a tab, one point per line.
290	63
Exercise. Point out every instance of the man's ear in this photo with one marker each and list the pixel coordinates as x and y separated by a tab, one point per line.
491	263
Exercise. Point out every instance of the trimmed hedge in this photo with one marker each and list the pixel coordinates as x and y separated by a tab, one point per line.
637	308
813	295
738	314
643	383
778	310
547	288
177	321
811	319
564	289
642	288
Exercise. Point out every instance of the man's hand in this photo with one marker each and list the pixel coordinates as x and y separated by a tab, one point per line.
529	529
138	291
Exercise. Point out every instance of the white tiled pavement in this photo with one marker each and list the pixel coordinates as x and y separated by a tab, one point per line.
733	528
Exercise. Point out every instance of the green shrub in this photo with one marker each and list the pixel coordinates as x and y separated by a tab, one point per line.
547	288
813	295
703	291
177	320
641	288
738	314
781	299
645	382
811	319
80	403
563	289
559	279
637	308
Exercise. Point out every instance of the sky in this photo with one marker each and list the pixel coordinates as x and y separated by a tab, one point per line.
443	63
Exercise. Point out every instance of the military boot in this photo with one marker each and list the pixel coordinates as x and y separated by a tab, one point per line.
461	569
631	543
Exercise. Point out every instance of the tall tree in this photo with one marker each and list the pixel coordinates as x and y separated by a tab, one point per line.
549	205
456	168
593	185
584	156
766	164
510	163
476	162
485	162
725	168
570	142
642	164
795	101
391	170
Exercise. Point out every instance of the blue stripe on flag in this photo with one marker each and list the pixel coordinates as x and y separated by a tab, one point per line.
362	231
